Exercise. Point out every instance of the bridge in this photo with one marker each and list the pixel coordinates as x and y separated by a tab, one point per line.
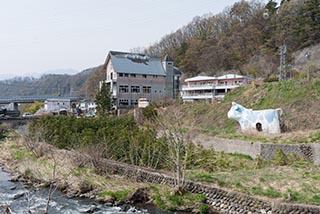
12	102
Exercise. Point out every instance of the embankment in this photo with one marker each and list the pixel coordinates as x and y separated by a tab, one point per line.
222	201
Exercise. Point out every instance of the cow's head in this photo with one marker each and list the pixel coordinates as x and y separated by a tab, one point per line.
236	111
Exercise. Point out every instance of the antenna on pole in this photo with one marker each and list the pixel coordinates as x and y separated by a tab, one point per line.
283	53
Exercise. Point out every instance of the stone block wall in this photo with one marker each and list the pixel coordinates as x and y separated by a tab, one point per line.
305	151
222	201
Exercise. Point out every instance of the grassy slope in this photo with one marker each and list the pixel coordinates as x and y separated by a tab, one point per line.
299	100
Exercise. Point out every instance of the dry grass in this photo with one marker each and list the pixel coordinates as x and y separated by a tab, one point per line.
297	183
67	171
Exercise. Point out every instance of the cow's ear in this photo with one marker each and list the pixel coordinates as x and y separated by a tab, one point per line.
234	103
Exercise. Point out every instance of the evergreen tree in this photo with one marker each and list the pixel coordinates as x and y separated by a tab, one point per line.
271	6
310	21
103	100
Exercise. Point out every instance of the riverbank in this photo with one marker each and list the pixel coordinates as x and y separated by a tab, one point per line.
17	198
75	175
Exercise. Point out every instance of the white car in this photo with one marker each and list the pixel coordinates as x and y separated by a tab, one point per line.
27	114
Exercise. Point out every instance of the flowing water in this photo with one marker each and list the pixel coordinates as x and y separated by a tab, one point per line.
20	199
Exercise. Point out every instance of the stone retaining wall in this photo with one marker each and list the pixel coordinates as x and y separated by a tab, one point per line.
309	152
222	201
305	151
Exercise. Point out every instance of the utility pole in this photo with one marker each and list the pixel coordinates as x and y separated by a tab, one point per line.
283	53
308	56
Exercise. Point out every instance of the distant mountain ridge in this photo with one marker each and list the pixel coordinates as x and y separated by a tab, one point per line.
37	75
47	84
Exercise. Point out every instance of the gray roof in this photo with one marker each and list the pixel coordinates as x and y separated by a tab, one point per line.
176	71
167	58
136	64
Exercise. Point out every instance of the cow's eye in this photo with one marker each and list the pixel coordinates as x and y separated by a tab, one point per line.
238	109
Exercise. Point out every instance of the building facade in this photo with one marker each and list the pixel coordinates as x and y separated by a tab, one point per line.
133	76
87	106
211	89
56	106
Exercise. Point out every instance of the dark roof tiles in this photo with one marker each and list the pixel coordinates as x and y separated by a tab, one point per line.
132	63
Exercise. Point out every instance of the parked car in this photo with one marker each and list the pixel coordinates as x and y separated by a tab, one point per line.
27	114
90	114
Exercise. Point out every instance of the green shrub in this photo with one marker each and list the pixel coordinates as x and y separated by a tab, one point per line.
291	195
116	195
316	199
203	209
120	139
280	158
269	192
175	200
149	113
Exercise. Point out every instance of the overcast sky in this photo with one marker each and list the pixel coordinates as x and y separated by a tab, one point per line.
41	35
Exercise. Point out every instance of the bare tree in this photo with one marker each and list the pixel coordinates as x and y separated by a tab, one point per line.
53	181
178	141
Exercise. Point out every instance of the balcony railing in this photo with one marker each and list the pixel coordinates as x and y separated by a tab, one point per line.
202	96
209	86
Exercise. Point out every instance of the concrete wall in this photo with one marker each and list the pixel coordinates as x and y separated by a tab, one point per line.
316	153
229	145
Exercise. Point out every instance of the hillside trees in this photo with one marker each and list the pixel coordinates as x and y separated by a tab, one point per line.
244	38
310	20
91	84
50	84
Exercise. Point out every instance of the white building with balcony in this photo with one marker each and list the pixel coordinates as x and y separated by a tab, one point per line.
211	89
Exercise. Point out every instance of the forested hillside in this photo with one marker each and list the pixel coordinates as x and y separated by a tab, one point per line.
244	38
52	84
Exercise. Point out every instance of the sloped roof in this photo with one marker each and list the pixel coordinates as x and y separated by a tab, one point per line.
167	58
136	64
233	76
227	76
199	78
176	71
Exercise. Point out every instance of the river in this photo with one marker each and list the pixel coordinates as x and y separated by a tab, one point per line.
22	199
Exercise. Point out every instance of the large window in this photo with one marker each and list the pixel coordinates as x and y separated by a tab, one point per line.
134	102
135	89
146	89
123	89
123	102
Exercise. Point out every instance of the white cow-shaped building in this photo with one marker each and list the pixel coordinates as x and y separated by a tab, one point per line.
267	121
